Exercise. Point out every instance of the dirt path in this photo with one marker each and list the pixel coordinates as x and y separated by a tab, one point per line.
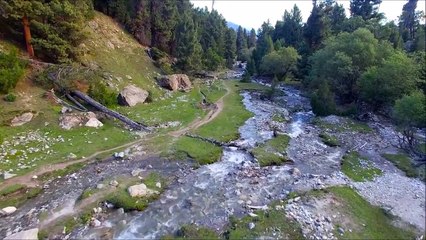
212	114
28	181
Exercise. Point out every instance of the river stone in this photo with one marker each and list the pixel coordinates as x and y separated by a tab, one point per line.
95	223
251	225
94	122
175	82
132	95
295	172
8	210
140	190
136	172
28	234
21	120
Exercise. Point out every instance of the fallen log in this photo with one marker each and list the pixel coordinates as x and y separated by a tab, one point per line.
63	103
132	124
75	102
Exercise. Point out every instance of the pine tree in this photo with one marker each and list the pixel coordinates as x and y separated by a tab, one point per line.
188	48
251	41
163	23
367	9
290	28
316	28
407	20
241	43
230	47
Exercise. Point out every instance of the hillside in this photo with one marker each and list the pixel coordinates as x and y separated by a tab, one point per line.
123	61
116	52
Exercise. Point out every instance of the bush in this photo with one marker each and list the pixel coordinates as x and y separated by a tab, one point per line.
157	54
11	70
10	97
322	101
101	93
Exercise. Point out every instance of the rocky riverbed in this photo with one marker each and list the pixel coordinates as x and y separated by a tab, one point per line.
236	185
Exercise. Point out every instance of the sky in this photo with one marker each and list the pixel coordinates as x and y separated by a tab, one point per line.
252	13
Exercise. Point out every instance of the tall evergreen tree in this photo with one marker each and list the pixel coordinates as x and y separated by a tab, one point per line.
163	23
188	49
241	43
367	9
290	29
230	47
251	41
407	20
316	29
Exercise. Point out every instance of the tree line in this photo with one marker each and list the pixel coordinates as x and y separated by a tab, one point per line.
350	63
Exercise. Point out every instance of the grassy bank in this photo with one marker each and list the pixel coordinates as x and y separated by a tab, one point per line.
225	126
273	152
358	168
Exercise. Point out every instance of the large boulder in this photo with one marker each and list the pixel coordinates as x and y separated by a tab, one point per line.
71	120
141	190
132	95
175	82
22	119
28	234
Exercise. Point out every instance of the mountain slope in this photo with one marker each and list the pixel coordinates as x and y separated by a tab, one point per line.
116	52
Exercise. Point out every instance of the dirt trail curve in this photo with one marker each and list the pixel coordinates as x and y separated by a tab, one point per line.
28	181
212	114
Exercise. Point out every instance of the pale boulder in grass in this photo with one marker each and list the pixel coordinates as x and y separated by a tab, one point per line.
22	119
132	95
141	190
94	122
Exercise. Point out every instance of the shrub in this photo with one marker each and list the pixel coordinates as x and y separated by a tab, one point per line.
10	97
101	93
11	70
322	101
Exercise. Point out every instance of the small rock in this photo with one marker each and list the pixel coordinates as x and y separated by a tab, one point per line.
296	173
71	156
119	155
95	223
341	230
7	175
28	234
120	211
253	215
94	122
136	172
34	177
100	186
8	210
158	184
296	199
113	183
251	225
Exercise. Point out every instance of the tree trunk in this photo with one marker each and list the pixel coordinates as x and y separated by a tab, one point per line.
114	114
27	34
